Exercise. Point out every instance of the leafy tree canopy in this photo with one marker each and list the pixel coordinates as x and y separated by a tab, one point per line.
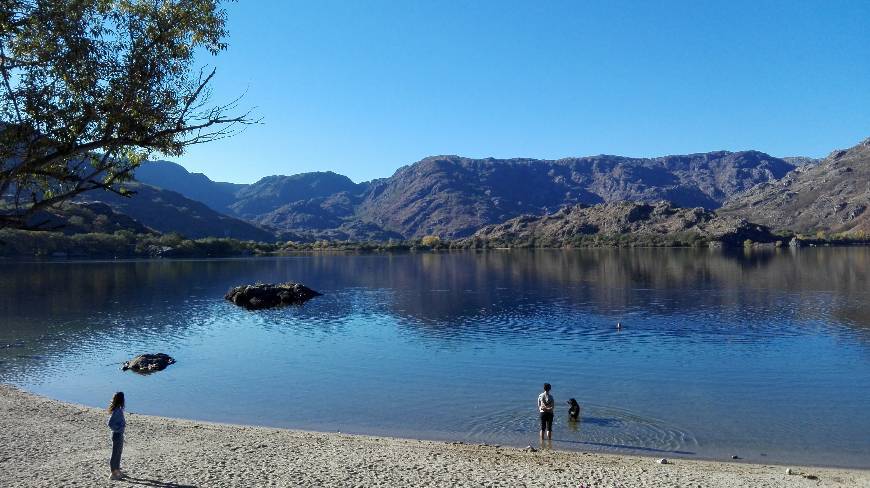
92	87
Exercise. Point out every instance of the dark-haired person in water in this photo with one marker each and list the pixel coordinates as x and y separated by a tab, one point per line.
546	404
117	423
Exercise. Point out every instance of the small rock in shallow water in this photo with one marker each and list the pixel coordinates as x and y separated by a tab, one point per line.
261	295
148	363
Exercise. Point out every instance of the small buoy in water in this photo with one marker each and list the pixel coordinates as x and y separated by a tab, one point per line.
618	325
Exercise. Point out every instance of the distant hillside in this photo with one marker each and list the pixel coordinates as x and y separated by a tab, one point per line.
801	160
274	192
196	186
168	211
621	218
451	196
354	231
833	196
80	218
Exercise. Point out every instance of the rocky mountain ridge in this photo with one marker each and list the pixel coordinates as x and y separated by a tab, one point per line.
453	196
832	196
195	186
619	218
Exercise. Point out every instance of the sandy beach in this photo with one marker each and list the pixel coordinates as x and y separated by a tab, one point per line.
50	443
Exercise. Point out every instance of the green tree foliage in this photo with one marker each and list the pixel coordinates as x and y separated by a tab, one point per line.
91	87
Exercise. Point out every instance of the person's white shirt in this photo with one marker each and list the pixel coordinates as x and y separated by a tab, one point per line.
546	402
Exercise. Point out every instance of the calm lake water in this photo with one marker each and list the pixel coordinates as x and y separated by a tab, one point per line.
764	355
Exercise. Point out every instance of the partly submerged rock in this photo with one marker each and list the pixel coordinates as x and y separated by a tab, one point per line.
148	363
264	295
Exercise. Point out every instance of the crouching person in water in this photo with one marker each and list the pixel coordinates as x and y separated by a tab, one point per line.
117	423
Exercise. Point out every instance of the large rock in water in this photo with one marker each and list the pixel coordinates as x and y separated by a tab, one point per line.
263	295
148	363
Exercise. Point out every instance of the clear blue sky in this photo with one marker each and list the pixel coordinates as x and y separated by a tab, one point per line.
362	88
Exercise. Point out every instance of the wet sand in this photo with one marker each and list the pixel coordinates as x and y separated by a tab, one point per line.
50	443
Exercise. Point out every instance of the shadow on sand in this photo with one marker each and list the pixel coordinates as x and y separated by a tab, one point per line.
147	482
624	446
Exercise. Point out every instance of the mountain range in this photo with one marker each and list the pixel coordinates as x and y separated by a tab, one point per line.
454	197
832	195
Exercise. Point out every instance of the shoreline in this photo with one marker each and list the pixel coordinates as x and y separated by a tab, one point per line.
86	258
48	443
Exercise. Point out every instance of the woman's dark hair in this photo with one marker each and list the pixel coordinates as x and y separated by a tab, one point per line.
117	401
547	387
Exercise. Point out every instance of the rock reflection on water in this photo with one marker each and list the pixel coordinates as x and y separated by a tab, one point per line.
721	351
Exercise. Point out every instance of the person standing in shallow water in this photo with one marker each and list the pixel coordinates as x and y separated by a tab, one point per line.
117	424
546	404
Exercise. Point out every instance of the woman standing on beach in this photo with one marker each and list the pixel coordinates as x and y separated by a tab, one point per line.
117	423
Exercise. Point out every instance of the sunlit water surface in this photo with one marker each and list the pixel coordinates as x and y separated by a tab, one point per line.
765	356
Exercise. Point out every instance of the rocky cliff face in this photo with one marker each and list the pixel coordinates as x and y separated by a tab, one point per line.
452	197
655	219
832	195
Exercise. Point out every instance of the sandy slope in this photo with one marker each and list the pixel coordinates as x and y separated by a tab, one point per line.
49	443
